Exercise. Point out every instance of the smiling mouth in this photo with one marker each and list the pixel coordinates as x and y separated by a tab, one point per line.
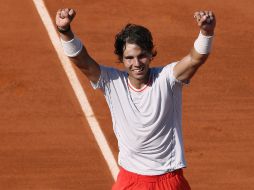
138	70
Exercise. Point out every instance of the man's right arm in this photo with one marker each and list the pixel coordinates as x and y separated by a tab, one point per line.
82	60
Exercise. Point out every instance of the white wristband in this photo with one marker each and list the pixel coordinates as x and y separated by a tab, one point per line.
73	47
203	44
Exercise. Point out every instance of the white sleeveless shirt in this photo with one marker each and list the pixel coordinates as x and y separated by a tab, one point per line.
146	122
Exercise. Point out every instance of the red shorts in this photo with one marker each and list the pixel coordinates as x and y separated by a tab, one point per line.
170	181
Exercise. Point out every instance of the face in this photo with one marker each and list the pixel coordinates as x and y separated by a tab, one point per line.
136	63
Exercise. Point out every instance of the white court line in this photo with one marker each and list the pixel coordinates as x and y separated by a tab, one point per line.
79	92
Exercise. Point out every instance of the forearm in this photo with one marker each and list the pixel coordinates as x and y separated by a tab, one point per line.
188	66
76	51
197	59
73	47
81	59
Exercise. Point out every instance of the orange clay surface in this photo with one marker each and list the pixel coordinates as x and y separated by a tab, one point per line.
45	141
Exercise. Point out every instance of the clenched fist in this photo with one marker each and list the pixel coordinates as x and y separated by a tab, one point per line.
64	18
206	21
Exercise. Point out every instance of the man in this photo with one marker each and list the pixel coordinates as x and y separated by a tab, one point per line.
145	103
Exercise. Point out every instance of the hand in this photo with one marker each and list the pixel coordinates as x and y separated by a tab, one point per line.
64	18
206	21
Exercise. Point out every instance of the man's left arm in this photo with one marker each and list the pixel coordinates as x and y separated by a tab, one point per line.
187	67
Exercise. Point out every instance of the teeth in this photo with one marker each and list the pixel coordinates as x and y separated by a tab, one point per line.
138	70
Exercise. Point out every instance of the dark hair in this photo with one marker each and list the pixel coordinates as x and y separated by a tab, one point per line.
134	34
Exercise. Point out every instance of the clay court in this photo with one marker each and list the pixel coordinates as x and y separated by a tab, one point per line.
45	139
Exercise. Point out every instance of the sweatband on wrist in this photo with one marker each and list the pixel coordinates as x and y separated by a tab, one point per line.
203	44
73	47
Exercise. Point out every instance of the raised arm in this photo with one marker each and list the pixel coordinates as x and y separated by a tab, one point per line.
73	47
188	66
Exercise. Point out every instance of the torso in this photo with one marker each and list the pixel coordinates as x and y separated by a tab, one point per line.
146	122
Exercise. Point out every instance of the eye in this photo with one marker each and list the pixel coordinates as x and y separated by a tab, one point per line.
141	56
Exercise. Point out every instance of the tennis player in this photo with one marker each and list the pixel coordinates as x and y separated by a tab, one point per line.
145	102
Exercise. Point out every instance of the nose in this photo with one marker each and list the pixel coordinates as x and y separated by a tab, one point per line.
137	62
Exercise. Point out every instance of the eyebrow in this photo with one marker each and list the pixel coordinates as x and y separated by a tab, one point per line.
142	54
128	57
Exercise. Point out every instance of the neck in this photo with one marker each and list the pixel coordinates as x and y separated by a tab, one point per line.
139	83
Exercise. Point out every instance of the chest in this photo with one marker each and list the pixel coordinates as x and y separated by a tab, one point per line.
156	97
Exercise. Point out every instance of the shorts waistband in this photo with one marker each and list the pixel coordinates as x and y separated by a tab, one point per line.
148	178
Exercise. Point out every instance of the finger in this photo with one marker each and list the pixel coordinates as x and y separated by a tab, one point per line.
62	14
72	13
203	17
203	20
212	16
66	10
197	16
58	13
206	18
202	13
66	13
